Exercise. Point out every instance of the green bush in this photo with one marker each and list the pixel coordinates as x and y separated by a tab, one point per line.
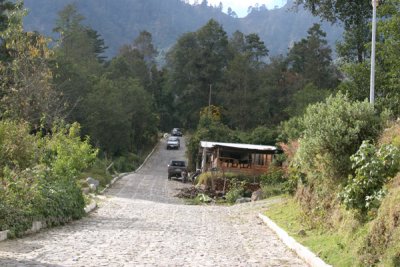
373	168
16	220
20	200
17	147
274	182
291	129
126	163
45	186
333	131
236	191
275	175
65	153
62	201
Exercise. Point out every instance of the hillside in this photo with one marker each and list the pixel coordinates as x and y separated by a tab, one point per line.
120	21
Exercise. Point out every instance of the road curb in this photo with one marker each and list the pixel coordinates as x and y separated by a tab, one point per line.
91	206
303	252
116	178
148	156
36	226
4	235
119	176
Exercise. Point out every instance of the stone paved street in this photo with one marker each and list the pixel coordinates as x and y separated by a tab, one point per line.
140	223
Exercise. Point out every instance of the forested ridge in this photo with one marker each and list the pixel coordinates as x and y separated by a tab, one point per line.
68	111
120	21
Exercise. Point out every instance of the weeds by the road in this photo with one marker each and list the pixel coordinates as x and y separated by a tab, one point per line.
336	246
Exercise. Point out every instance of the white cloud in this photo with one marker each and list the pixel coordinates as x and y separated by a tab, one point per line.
241	6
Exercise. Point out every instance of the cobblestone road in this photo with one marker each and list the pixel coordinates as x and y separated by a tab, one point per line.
140	223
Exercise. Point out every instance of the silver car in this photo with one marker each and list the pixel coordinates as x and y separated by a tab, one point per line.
173	143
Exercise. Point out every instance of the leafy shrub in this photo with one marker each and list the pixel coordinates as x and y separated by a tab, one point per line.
236	191
273	182
291	129
126	163
65	153
275	175
45	186
17	146
18	202
62	201
333	131
16	220
373	168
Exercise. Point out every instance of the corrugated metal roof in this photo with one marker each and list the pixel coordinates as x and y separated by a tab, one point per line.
208	144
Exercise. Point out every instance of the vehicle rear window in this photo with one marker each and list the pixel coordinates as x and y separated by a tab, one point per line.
178	163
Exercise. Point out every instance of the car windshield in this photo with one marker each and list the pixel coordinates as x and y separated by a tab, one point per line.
178	163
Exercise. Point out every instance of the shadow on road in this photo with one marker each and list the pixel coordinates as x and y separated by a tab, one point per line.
8	262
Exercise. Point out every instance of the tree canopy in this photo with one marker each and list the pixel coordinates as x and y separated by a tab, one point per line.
354	15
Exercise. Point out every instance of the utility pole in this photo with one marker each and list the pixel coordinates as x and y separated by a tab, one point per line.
372	81
209	98
209	103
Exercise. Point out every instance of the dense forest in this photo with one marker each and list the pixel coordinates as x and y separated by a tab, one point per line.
121	21
66	107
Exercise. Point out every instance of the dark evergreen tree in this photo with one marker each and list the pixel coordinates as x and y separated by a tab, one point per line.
98	45
197	62
311	58
78	57
144	44
278	86
354	15
255	47
241	86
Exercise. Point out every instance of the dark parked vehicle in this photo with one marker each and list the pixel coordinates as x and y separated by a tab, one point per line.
173	143
177	168
176	132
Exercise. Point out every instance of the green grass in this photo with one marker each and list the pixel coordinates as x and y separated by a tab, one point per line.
338	248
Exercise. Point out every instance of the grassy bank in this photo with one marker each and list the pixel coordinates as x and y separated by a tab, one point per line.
335	247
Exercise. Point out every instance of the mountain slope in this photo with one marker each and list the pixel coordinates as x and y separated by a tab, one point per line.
120	21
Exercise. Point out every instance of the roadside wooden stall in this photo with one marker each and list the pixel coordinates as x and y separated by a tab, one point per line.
235	157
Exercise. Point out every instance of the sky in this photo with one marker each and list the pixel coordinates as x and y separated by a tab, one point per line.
241	6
